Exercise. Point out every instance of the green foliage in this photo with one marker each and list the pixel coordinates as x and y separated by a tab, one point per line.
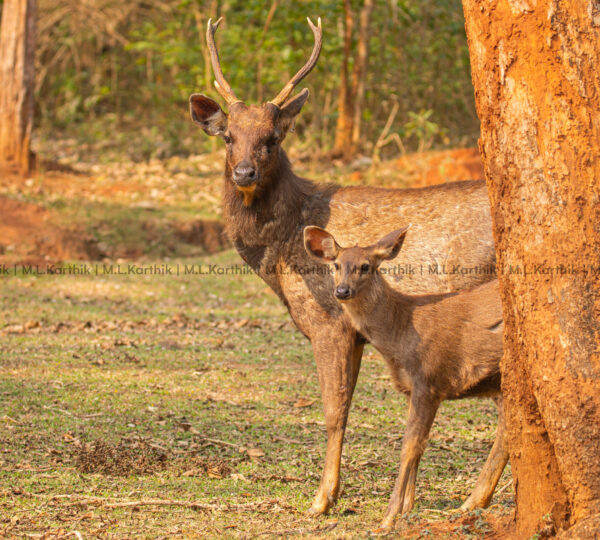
140	63
422	129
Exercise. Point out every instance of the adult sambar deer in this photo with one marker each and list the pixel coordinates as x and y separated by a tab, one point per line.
437	346
266	206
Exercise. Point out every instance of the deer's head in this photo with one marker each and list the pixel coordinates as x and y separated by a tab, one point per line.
355	267
252	133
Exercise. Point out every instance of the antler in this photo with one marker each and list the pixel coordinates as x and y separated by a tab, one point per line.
306	69
221	84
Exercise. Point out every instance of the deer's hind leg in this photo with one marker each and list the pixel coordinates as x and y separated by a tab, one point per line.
492	470
421	413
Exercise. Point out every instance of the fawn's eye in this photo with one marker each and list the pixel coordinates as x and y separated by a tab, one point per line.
227	139
336	266
365	268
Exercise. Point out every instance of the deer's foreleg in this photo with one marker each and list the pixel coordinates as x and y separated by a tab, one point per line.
338	357
492	470
421	412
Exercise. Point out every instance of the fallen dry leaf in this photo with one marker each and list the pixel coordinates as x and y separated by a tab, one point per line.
303	402
255	452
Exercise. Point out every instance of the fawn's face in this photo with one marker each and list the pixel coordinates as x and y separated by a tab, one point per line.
355	267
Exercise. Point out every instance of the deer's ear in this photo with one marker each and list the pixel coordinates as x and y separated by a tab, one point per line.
320	244
389	246
207	113
290	109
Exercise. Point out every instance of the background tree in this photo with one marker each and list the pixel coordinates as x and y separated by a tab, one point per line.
17	50
108	69
352	89
536	72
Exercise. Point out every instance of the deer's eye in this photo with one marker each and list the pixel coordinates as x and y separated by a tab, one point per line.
365	268
227	139
269	144
336	266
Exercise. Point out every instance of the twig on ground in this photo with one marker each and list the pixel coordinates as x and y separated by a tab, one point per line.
301	530
286	440
217	441
69	413
111	502
504	487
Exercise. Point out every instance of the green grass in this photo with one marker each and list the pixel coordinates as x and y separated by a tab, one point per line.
119	388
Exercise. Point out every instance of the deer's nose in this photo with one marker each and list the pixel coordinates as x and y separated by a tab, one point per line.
244	174
342	292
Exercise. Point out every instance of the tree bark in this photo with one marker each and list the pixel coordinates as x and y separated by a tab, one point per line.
17	49
359	74
536	73
352	91
343	129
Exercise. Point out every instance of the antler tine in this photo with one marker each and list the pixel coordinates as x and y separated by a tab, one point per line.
221	84
306	69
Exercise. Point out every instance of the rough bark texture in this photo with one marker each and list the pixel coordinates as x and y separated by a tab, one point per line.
536	72
17	46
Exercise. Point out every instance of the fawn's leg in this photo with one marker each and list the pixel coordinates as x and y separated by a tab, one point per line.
421	412
338	355
492	470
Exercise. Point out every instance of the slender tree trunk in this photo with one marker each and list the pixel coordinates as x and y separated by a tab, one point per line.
17	48
536	73
201	22
343	129
259	50
359	73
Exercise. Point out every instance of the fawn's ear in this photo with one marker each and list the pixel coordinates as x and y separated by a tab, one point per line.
207	113
290	109
389	246
320	244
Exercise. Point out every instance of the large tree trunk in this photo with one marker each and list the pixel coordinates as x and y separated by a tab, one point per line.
17	47
536	72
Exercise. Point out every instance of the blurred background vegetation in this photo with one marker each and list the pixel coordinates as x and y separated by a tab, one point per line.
112	72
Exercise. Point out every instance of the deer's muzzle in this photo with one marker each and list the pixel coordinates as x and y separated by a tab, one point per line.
244	174
343	292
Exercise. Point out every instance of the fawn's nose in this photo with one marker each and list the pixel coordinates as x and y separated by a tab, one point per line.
342	292
244	174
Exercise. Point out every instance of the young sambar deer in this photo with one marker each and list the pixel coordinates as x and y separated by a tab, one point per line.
438	347
266	207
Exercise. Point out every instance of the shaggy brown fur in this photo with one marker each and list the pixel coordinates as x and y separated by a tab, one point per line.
444	346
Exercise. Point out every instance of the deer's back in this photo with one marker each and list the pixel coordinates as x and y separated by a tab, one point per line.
450	245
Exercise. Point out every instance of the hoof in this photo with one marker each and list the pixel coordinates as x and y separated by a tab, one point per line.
319	509
316	511
468	506
382	530
321	506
